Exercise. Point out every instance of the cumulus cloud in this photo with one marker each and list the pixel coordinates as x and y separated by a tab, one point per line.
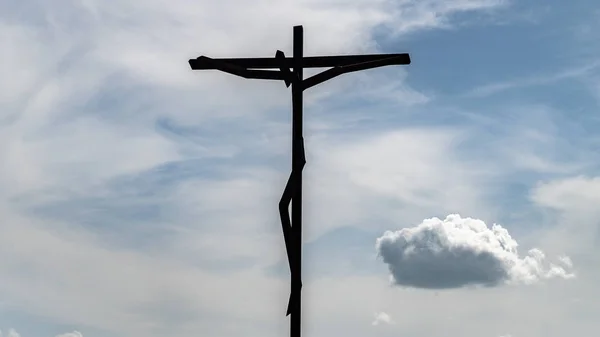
458	252
382	318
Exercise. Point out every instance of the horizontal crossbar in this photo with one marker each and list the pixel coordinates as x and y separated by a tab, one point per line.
201	63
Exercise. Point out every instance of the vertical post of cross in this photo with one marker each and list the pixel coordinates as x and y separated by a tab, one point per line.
297	165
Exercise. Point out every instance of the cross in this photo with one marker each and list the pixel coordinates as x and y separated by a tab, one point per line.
254	68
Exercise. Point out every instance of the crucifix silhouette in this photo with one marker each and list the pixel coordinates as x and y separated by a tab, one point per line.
254	68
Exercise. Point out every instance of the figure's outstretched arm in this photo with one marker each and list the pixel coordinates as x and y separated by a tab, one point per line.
233	69
339	70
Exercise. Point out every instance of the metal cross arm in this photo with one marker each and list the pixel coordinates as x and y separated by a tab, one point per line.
339	70
245	67
234	69
290	70
307	62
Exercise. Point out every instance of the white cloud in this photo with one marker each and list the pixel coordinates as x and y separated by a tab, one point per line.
382	317
566	261
457	252
14	333
539	140
572	194
540	80
412	172
432	13
71	334
571	205
91	48
144	292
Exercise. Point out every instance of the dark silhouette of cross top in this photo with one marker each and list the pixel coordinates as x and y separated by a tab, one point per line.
255	68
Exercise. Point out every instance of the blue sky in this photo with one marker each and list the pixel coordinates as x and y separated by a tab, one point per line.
139	197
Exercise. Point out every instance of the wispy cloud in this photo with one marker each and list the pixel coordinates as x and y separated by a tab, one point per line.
139	197
100	127
14	333
71	334
11	333
430	14
540	80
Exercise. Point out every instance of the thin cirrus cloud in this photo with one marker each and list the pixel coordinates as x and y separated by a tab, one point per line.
458	252
14	333
71	334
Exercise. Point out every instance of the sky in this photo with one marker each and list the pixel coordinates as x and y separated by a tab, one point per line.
453	196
